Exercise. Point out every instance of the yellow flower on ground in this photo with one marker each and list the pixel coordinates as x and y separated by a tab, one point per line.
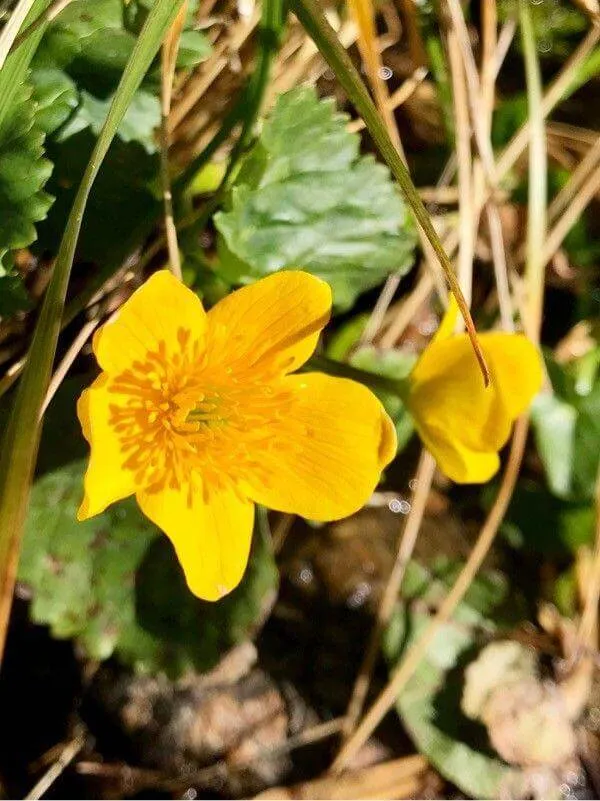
198	415
460	421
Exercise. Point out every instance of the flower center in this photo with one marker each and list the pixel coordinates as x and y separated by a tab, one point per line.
208	408
179	418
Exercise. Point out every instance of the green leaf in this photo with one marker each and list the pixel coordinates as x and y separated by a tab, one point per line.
508	118
588	70
430	704
138	125
341	342
13	295
194	48
545	524
567	429
19	138
102	59
587	444
122	209
586	372
392	364
113	584
23	174
80	25
439	71
554	423
305	199
93	41
55	96
15	69
181	632
82	575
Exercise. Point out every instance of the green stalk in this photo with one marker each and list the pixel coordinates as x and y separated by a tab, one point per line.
231	119
394	386
247	108
271	26
14	70
538	171
21	439
314	22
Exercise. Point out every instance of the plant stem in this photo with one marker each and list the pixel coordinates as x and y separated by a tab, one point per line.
313	20
538	166
269	34
229	122
168	62
394	386
248	105
423	480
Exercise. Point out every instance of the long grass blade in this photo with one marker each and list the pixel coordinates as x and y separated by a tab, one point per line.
21	438
318	28
14	66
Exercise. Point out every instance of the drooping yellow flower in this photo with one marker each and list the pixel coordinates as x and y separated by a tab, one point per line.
198	415
460	421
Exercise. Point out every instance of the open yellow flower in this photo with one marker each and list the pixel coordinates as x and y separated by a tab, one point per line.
461	422
198	415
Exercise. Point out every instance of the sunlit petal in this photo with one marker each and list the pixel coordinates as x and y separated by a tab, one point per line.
197	415
459	463
211	532
461	421
158	312
516	367
105	479
275	322
447	391
388	444
327	454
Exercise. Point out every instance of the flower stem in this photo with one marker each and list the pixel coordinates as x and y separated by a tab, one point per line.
269	34
168	62
395	386
313	20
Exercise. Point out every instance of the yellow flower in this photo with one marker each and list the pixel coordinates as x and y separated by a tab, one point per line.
460	421
198	415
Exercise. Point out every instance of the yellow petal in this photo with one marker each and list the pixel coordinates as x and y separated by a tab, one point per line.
105	480
447	391
462	465
448	324
156	313
328	451
516	367
211	534
275	322
388	444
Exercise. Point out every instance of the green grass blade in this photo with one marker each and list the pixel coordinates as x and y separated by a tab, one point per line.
14	70
313	20
21	438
